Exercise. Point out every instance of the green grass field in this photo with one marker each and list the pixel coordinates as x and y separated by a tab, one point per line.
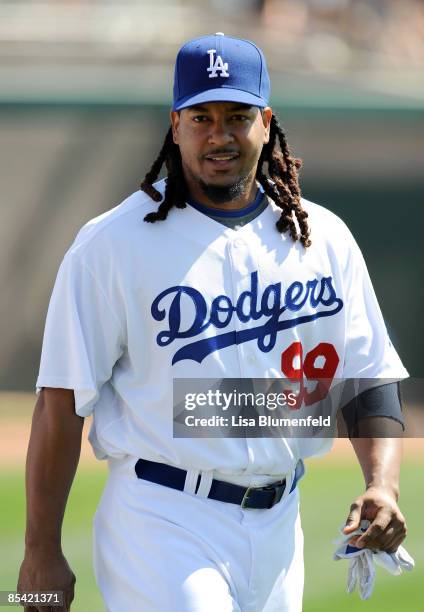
326	493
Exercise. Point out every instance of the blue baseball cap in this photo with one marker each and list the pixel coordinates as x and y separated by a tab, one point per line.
219	68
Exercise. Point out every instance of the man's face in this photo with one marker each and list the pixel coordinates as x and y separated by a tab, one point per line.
220	144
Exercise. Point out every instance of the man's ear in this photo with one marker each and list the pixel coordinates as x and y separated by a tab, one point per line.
175	123
266	119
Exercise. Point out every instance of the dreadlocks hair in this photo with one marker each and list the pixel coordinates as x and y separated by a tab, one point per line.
281	183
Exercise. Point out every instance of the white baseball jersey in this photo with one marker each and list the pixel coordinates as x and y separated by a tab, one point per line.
136	305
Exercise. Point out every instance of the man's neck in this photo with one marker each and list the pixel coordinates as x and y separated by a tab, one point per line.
242	201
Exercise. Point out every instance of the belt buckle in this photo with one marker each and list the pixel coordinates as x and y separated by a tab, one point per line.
278	488
246	496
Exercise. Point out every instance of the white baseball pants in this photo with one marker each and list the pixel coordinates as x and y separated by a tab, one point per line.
161	550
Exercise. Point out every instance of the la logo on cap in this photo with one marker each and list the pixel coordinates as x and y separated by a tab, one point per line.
216	64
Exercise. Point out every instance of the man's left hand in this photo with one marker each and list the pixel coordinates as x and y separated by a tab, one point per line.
387	528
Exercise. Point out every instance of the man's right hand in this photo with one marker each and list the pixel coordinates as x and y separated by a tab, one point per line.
47	572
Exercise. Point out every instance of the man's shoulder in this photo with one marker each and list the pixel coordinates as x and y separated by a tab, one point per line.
320	218
321	215
115	223
326	224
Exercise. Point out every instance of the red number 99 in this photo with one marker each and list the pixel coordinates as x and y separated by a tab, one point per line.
323	375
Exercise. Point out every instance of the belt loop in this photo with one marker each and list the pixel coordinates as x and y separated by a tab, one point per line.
191	481
298	472
205	483
289	482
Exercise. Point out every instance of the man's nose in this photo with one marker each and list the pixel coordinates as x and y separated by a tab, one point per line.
220	133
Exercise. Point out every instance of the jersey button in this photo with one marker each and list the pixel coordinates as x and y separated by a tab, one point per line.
238	242
251	358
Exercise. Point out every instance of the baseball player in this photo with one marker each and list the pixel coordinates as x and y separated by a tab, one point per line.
221	270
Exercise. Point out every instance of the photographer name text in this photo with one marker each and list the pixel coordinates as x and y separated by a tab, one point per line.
259	421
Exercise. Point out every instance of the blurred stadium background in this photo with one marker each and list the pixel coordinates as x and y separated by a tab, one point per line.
85	88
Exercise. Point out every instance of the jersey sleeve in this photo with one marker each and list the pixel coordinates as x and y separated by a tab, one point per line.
83	336
369	352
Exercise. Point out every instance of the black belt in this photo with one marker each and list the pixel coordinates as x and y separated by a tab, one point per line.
250	497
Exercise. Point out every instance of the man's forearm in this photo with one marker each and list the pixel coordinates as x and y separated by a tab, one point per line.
53	455
380	460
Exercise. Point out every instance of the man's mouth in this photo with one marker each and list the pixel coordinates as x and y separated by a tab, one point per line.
222	159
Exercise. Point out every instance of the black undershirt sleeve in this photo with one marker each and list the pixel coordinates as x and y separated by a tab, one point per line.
381	401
